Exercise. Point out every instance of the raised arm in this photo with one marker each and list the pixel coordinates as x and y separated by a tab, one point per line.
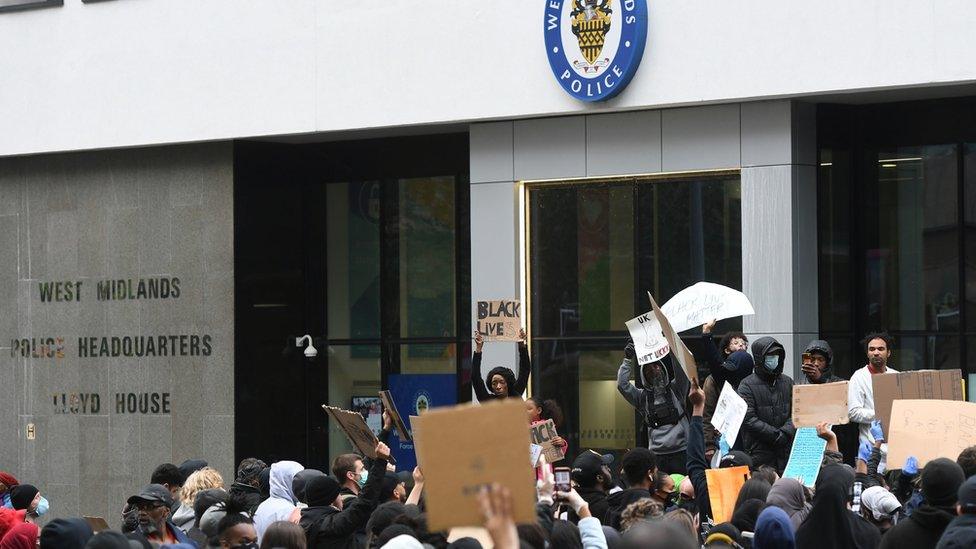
524	368
712	355
695	453
477	380
624	387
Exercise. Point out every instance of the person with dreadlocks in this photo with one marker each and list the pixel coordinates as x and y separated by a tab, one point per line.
501	380
236	530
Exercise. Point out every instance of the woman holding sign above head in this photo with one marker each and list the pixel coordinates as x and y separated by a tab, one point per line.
501	382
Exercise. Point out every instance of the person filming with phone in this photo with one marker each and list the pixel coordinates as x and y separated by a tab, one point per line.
818	362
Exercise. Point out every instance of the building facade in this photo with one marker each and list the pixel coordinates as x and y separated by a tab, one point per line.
188	187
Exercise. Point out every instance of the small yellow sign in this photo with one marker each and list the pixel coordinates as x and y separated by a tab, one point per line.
30	431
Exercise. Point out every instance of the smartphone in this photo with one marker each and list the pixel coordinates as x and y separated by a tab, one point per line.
563	483
807	357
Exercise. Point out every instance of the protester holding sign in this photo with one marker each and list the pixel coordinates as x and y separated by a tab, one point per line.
501	382
732	364
860	396
658	403
768	429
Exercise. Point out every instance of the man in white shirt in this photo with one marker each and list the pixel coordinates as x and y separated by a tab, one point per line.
860	391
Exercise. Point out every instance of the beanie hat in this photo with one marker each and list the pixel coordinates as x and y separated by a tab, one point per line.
301	480
321	491
22	495
70	533
941	479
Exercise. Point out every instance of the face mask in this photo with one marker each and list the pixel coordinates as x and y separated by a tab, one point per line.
362	478
771	362
42	507
248	545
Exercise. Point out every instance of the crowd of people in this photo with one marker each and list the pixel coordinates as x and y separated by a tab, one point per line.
655	496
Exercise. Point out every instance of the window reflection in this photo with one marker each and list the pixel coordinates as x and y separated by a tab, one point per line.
353	266
350	376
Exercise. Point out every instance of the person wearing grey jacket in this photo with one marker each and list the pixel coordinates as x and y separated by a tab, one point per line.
661	403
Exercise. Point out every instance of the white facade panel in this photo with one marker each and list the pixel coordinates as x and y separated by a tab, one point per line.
133	72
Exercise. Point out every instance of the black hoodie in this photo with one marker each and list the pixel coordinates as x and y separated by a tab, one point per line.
516	386
922	530
768	430
822	347
619	501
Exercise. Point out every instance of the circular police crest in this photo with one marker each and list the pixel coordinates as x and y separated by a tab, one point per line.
421	401
595	46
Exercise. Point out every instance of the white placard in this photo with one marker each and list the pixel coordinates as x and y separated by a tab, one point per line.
729	413
649	341
703	302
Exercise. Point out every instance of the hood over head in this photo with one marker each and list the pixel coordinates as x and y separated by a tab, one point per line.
282	475
773	530
506	373
760	349
822	347
301	480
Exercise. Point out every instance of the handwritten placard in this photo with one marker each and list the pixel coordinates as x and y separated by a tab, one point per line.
678	347
920	384
805	456
723	489
500	320
543	433
928	429
703	302
819	402
649	341
730	411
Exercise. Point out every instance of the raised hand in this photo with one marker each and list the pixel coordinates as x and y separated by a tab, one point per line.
479	341
496	509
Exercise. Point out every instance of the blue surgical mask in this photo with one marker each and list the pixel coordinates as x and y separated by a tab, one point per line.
42	506
771	362
362	478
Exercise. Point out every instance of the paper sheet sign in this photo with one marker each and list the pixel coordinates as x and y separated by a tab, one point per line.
681	352
703	302
535	451
462	449
921	384
356	429
928	429
391	409
730	411
815	403
649	342
543	433
805	457
500	320
723	489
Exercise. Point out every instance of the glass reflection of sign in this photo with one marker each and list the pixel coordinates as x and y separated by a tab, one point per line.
11	5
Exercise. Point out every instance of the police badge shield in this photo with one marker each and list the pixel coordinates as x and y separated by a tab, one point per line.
591	22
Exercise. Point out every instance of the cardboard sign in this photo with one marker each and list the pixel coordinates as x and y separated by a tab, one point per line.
98	524
681	352
816	403
466	447
542	434
928	429
806	457
730	411
921	384
415	423
649	342
500	320
723	489
355	428
391	409
703	302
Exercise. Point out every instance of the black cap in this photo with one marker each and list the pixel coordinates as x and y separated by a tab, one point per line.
967	495
153	493
735	458
65	533
588	465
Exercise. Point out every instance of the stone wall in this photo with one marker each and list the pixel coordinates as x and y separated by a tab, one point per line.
116	319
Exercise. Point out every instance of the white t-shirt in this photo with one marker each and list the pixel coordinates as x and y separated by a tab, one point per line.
860	407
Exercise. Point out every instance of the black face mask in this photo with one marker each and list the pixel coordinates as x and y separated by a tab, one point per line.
248	545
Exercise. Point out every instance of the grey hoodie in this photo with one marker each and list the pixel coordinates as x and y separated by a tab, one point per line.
282	502
665	439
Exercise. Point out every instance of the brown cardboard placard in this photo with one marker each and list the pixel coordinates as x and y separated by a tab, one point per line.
928	429
98	524
723	489
678	347
919	384
542	434
462	449
815	403
354	426
499	319
391	409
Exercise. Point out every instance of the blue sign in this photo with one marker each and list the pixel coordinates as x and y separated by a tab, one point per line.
413	395
805	457
595	46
